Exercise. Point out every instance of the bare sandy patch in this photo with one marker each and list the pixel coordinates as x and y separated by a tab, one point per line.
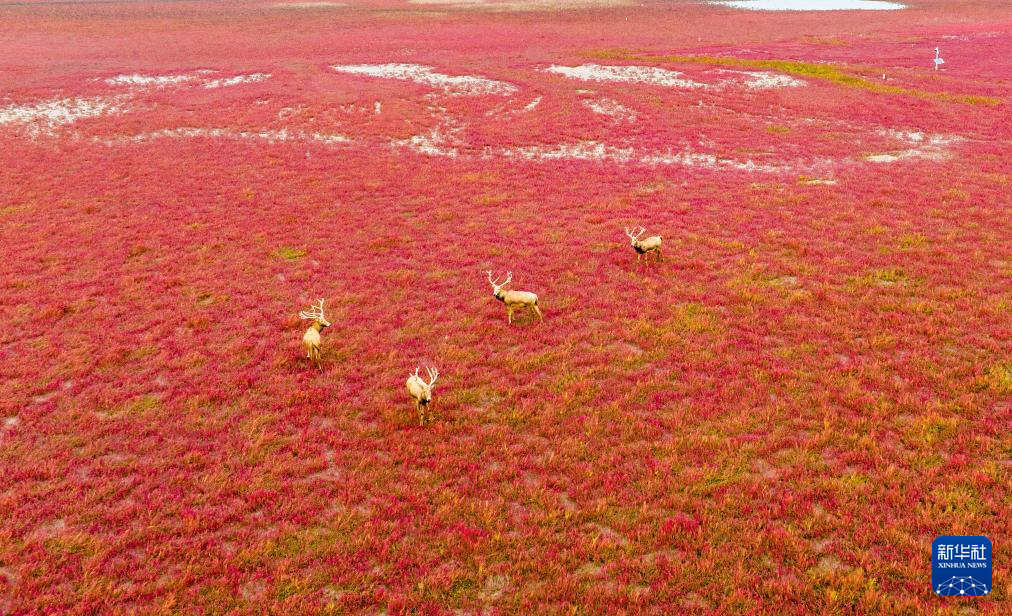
434	143
453	85
533	104
266	135
919	146
152	81
602	152
611	108
46	116
203	78
238	80
650	75
764	80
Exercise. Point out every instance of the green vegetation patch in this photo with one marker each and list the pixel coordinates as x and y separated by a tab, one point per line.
289	254
812	70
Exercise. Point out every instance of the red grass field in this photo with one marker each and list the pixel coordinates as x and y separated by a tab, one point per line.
778	417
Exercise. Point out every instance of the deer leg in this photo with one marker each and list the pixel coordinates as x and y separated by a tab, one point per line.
421	414
509	316
538	311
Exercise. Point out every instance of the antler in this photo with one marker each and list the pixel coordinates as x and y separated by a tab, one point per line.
433	375
635	233
495	283
315	312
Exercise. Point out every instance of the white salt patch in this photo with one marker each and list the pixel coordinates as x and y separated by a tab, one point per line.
582	150
761	80
377	107
50	529
286	112
326	139
436	143
601	152
139	81
150	81
689	158
269	136
46	116
237	80
611	108
924	147
882	158
812	5
454	85
625	74
533	104
910	136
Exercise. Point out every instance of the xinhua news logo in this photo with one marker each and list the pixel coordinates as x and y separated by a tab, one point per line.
961	566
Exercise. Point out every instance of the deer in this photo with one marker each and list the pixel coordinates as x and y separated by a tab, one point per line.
421	392
514	300
312	339
646	246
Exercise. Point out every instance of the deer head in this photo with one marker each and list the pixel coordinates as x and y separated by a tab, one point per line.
634	235
497	286
315	313
425	389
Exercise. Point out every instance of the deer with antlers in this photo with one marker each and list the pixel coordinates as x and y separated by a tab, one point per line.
421	392
514	300
312	339
645	246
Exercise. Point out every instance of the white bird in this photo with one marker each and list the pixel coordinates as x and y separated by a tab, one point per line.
938	60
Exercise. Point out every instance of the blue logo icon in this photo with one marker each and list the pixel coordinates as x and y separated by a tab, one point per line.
961	566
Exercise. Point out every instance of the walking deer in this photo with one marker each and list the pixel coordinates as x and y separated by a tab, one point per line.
514	300
312	339
421	392
646	246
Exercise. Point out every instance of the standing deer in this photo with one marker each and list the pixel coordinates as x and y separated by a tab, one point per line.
312	339
644	247
421	392
514	300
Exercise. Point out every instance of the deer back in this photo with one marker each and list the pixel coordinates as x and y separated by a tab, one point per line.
312	337
417	388
650	243
523	298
